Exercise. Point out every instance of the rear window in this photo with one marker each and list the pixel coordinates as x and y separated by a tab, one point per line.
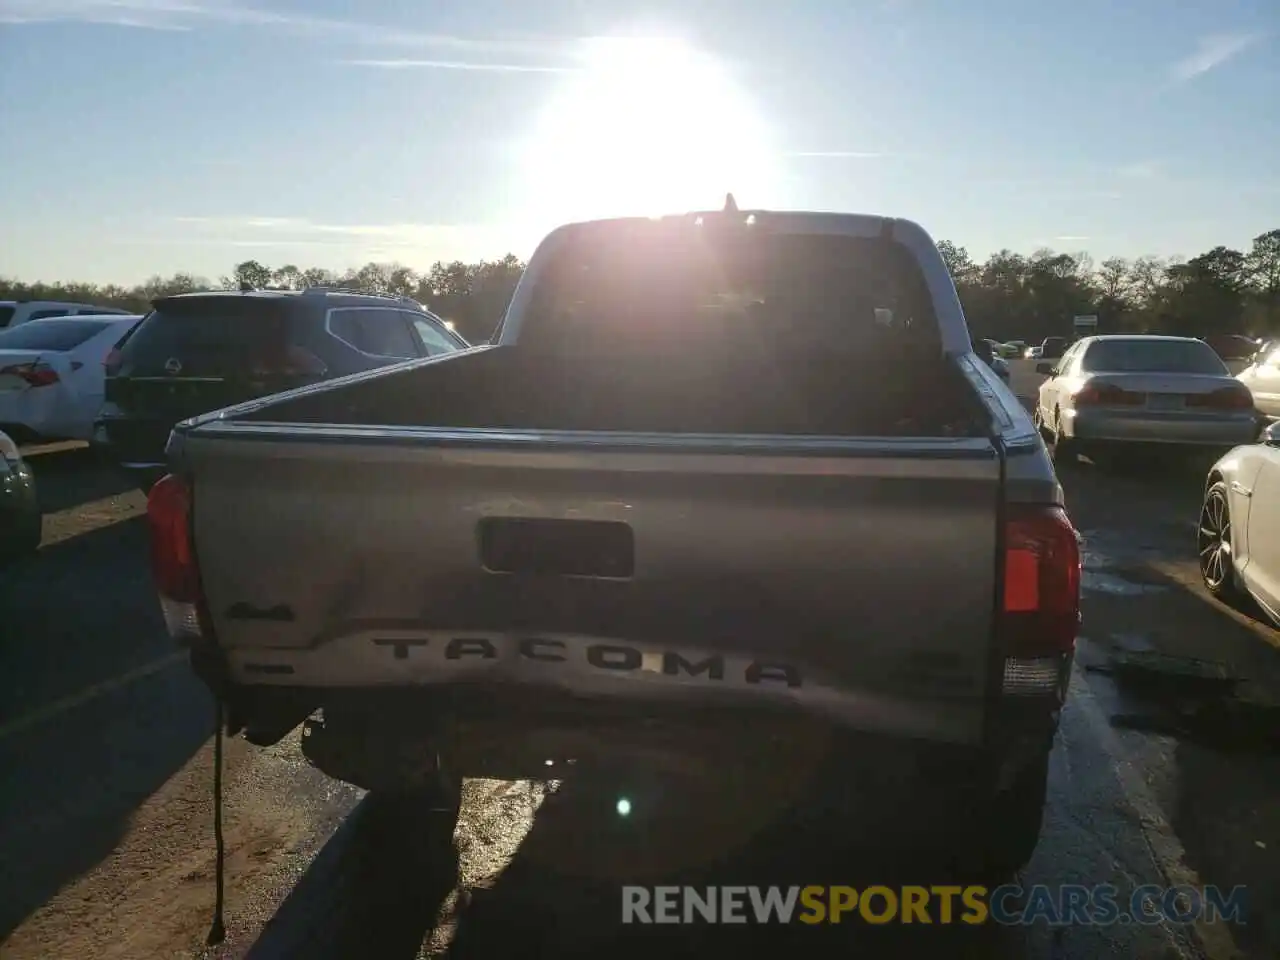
674	285
213	336
50	334
1152	356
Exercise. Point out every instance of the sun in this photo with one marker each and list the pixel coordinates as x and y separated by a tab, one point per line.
646	127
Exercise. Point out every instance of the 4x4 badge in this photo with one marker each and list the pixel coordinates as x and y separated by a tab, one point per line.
173	366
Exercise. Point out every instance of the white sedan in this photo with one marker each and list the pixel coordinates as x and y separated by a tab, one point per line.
52	375
1239	537
1130	392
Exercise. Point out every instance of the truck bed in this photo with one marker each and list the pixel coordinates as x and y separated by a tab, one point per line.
738	391
468	520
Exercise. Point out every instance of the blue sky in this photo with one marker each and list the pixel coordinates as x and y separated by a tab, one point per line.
152	136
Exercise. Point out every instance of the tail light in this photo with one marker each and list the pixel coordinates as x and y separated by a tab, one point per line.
173	558
111	364
1228	398
36	374
1040	600
1107	395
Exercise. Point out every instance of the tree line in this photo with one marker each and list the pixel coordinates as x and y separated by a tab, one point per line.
1007	296
1221	291
471	295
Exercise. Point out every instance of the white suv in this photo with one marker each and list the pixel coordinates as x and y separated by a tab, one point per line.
14	312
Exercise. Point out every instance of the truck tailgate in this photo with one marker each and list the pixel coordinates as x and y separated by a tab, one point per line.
852	578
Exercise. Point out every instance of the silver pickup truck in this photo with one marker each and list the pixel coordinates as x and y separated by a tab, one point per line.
725	486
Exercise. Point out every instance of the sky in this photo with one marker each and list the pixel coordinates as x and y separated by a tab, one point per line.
150	137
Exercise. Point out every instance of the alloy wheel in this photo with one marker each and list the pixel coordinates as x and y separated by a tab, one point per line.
1215	540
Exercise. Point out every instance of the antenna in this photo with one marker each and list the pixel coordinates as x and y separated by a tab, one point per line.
730	205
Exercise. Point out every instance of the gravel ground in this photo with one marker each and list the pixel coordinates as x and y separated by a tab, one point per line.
105	820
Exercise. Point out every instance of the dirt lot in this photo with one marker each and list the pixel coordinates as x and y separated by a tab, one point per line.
105	836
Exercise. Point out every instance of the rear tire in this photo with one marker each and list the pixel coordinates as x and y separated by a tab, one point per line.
440	801
1214	546
1037	421
1009	828
1064	450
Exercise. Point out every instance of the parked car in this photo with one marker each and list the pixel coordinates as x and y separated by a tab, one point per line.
15	312
1262	377
989	352
1051	348
590	541
198	352
51	374
20	518
1232	346
1239	531
1113	392
1012	349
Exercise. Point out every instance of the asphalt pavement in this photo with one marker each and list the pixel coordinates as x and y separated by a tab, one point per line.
105	816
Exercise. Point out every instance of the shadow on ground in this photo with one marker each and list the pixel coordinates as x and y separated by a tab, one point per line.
68	477
375	890
1220	774
96	712
72	783
385	885
561	894
81	611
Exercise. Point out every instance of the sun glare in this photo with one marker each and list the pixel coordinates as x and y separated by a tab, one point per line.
646	127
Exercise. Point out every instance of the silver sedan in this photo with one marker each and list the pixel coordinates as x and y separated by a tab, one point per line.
1136	391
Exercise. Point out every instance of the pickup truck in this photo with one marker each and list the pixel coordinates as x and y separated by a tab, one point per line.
724	486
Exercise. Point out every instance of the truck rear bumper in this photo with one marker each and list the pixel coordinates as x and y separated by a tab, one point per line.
722	770
383	735
1224	430
925	700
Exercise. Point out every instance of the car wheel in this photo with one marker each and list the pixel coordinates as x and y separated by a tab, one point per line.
1214	546
440	799
1064	450
1046	434
410	830
1009	827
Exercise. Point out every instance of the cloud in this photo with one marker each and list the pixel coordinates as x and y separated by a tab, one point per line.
456	65
194	14
138	14
383	239
1071	238
1213	51
1142	170
839	154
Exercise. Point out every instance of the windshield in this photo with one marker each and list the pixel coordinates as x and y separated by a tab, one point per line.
661	285
55	335
1152	356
